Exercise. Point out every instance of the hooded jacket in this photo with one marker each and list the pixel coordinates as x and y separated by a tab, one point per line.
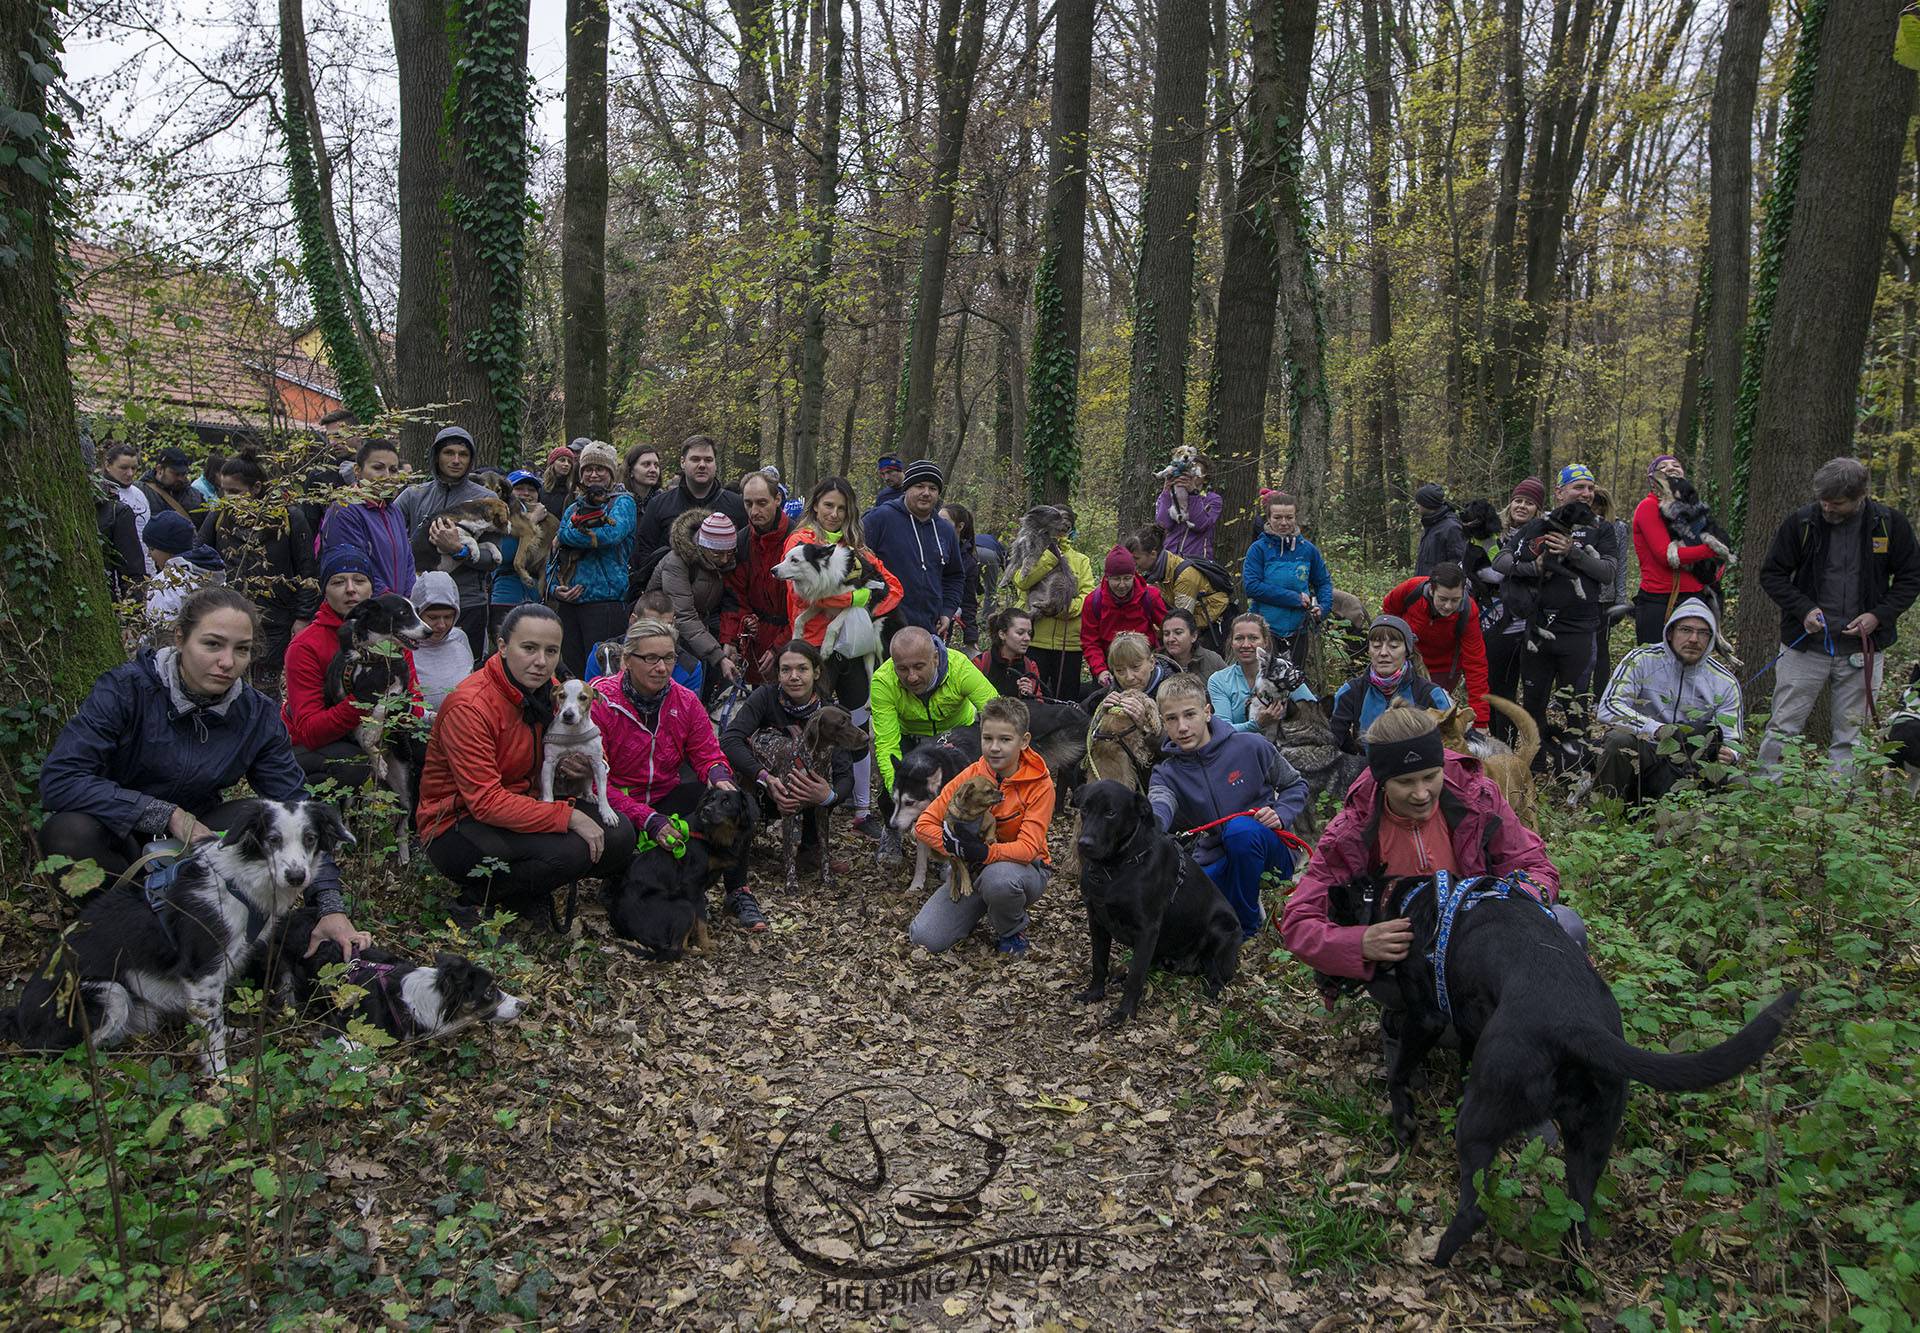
381	531
1059	634
650	543
604	550
1359	703
1195	536
763	710
483	759
924	555
274	566
756	592
1280	570
440	664
303	705
1889	570
1652	687
139	746
423	501
1232	772
698	589
1019	820
1442	538
642	765
1104	618
815	630
959	692
1452	647
1486	836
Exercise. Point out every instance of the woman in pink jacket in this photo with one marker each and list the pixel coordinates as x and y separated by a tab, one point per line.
649	726
1416	810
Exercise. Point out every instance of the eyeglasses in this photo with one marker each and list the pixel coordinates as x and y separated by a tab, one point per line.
651	659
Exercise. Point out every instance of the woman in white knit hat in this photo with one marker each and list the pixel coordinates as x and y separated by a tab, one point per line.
596	539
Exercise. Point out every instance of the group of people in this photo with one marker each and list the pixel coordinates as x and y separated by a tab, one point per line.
662	594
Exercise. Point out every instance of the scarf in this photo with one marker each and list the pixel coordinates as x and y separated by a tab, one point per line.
647	706
536	706
798	713
1387	684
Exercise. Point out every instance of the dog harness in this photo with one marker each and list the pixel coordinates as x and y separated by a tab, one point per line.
1451	898
378	976
157	887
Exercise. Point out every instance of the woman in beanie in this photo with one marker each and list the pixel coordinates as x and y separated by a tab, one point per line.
1417	809
322	735
587	572
703	545
557	482
1120	604
1394	672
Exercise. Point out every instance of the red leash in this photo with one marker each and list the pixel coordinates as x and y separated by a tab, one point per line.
1292	840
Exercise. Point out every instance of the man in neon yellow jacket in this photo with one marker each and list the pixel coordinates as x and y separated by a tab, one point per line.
923	689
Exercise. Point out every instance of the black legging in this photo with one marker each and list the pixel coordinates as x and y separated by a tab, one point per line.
495	865
1059	672
1563	662
1650	616
81	837
583	624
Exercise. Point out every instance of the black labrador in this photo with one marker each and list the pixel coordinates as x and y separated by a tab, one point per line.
1143	889
1539	1030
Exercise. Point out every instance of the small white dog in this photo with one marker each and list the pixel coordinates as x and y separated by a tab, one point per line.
572	732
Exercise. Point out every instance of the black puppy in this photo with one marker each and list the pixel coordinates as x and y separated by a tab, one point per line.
1143	889
1637	770
661	905
722	826
370	667
1538	1027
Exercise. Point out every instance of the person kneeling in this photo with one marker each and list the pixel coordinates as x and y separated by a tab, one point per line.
1008	858
1211	772
1671	691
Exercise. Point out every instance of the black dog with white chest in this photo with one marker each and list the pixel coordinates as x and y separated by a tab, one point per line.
1539	1029
1143	889
370	667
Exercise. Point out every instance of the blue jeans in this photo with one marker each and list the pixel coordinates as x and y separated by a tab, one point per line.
1250	849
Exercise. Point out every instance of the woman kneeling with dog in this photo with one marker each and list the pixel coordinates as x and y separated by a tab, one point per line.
159	739
788	706
480	815
650	725
323	736
1416	810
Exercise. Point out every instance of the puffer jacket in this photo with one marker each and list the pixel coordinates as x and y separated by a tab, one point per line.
1442	540
699	591
303	691
483	759
1058	634
1104	618
1652	687
604	549
959	693
1185	588
642	765
1019	820
1487	837
1278	572
1232	772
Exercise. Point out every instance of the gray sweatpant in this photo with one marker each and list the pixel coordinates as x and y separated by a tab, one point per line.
1001	893
1800	678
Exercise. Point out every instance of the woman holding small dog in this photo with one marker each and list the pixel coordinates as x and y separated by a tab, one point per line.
832	518
322	735
157	742
1234	690
787	704
597	529
1417	809
480	817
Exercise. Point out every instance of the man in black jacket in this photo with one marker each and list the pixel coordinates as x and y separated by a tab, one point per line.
1569	573
1442	538
1842	570
698	487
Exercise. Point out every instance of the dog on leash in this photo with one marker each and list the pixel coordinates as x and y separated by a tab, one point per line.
144	956
573	731
1539	1030
919	775
1123	742
1142	888
968	809
1510	769
808	749
818	573
397	996
1043	529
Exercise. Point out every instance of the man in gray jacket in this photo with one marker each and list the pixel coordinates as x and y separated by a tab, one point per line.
421	505
1673	689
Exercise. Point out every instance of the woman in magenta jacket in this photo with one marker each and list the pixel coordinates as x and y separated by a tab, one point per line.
649	725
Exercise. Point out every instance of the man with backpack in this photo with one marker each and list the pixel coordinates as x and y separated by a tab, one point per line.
1203	588
1286	576
1446	630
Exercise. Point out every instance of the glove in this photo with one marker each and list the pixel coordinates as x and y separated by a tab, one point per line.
965	845
861	597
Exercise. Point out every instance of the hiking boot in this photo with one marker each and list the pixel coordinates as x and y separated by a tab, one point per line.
810	859
869	826
1014	945
746	910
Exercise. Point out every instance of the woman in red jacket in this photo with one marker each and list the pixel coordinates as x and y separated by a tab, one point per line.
323	735
1122	602
1663	579
480	816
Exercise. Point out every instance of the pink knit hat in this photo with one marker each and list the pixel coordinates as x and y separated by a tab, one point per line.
717	533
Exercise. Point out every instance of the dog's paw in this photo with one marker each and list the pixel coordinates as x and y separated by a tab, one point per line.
1119	1017
1092	995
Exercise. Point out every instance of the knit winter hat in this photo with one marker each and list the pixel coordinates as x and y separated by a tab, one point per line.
169	532
1120	561
717	533
1430	496
341	560
1531	489
598	453
561	451
924	469
1573	472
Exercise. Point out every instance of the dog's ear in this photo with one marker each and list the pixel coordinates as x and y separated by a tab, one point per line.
249	832
1139	807
330	826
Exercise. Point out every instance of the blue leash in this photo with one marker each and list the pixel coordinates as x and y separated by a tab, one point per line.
1775	660
1453	897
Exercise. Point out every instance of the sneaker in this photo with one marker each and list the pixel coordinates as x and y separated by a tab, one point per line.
869	826
1014	945
746	910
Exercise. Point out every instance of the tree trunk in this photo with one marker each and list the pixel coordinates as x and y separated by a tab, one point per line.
57	629
826	198
1495	380
1303	330
421	351
1383	507
1163	287
956	57
583	237
753	111
1053	446
332	286
1849	159
1730	231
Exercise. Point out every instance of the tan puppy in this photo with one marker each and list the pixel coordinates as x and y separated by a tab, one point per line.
1511	770
972	801
1121	747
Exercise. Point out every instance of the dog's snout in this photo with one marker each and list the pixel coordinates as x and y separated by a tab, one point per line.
296	876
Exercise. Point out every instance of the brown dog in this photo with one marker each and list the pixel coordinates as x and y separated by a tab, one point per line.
972	801
781	753
536	540
480	520
1511	770
1121	747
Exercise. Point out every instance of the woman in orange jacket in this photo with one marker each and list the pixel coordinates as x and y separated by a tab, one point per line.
832	519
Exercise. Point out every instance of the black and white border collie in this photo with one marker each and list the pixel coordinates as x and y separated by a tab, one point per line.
370	667
142	961
818	572
401	998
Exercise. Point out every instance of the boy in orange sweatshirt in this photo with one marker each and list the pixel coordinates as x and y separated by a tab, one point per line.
1009	866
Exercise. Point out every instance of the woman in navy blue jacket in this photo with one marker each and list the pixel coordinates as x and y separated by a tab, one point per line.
157	742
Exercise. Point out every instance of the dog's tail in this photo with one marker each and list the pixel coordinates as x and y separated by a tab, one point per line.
1693	1070
1523	723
